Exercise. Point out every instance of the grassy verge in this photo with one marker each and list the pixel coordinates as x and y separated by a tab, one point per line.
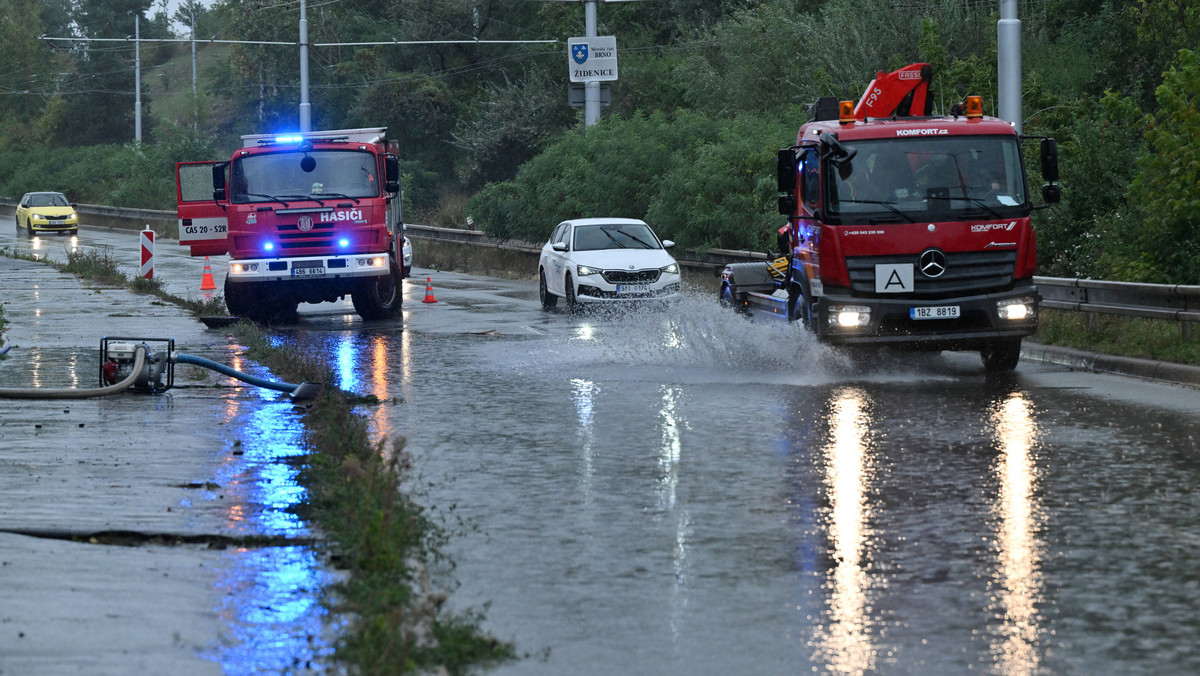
396	622
1122	336
377	533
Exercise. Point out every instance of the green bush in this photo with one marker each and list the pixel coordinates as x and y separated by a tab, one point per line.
699	181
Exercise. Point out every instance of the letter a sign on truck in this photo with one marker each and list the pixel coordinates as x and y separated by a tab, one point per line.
592	59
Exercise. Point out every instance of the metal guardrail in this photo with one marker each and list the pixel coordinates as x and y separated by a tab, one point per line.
1172	302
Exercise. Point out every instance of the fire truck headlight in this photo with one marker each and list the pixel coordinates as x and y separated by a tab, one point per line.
849	316
1015	309
242	268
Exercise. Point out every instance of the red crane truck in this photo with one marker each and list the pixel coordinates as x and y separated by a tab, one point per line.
309	217
904	229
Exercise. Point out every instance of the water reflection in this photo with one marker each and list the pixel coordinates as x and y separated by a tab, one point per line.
669	464
1018	580
270	594
583	394
843	640
362	366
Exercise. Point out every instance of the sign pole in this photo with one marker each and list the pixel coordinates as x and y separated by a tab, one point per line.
591	88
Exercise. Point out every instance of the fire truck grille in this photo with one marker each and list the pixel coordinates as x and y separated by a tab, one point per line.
631	277
290	236
966	272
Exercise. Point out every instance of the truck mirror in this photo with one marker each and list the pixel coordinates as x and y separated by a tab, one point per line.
218	181
787	205
785	170
1050	159
391	167
1051	193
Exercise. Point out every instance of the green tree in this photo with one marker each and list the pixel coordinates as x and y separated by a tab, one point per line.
1168	183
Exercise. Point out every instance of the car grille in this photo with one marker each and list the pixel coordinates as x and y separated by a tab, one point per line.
631	276
966	272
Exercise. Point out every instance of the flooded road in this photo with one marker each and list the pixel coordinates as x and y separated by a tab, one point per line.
684	491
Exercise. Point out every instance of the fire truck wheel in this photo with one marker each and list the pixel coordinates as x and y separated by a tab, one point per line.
380	297
548	299
238	299
1001	355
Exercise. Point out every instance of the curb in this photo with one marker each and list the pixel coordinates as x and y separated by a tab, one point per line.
1181	374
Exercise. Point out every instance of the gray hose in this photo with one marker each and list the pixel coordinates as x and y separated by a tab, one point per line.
4	345
80	393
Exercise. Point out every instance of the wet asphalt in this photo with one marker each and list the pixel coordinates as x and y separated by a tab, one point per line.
123	518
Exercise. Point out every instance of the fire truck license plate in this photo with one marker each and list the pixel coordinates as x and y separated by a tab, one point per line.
633	288
938	312
308	272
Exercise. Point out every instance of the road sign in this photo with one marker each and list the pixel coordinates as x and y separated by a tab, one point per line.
592	59
576	96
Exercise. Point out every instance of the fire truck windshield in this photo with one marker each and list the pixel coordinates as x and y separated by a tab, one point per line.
935	178
279	176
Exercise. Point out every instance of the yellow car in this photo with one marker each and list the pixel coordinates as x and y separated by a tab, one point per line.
46	212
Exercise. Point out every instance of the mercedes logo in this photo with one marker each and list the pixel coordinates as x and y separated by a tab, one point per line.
932	262
304	223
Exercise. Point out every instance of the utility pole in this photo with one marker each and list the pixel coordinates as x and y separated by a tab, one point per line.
195	102
137	78
1008	66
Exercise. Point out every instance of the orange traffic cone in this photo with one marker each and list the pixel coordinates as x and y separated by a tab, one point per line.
429	291
206	282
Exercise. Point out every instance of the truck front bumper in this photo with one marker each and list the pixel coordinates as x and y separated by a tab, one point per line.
963	323
307	268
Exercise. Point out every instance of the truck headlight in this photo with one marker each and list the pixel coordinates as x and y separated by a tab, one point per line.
1015	309
849	316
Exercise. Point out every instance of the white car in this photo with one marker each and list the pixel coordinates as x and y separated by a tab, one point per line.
604	260
406	258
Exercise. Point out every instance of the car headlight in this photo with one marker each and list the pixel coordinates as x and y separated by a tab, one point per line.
672	269
585	270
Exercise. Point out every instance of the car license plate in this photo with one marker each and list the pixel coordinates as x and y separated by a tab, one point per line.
633	288
308	272
936	312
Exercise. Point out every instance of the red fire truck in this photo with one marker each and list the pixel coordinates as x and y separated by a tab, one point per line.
309	218
904	229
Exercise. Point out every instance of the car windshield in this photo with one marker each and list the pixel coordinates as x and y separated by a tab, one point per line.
274	177
944	178
615	236
48	200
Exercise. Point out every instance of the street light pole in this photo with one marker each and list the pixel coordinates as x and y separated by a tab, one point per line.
1008	66
305	106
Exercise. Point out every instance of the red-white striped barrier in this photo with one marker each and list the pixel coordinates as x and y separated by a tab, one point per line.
148	253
